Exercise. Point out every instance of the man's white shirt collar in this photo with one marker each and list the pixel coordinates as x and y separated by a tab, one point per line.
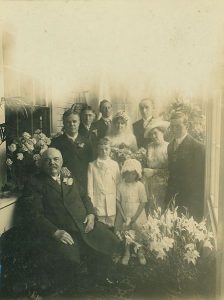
106	120
57	178
87	126
146	121
180	140
72	137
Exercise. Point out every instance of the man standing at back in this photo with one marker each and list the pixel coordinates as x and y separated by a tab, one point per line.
146	107
186	165
104	123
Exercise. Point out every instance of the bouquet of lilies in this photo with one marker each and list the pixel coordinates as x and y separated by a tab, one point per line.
176	244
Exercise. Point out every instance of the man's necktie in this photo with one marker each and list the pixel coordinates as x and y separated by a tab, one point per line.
175	146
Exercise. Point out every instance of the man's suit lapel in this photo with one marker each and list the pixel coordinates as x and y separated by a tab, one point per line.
53	184
184	145
103	125
141	127
147	124
63	189
66	189
182	149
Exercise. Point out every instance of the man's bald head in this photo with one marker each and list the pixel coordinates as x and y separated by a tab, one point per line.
51	161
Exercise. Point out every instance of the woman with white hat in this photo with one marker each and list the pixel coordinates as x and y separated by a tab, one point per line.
156	173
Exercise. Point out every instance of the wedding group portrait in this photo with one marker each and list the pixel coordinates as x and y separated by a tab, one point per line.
111	148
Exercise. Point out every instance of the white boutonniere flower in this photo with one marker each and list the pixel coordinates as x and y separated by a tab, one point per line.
94	131
81	145
68	180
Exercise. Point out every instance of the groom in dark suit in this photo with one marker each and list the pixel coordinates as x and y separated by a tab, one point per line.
146	107
186	164
61	219
103	124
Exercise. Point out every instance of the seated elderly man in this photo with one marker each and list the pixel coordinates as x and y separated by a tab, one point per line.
61	220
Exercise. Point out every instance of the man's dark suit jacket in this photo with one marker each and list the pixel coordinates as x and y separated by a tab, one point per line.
91	135
101	128
139	131
186	168
76	155
84	132
49	206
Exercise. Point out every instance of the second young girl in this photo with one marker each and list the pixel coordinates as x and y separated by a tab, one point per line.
131	200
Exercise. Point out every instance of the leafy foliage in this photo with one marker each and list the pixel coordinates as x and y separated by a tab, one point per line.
196	118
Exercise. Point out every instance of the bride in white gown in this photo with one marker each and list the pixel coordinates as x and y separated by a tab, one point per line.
121	134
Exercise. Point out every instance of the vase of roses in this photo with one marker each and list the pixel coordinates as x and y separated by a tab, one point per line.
23	155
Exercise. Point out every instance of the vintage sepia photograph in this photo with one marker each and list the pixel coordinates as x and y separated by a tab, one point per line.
112	149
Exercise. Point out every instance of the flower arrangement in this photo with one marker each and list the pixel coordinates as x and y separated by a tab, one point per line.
176	245
23	156
179	252
122	153
196	118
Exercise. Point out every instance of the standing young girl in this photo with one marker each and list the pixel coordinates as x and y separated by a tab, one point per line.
131	200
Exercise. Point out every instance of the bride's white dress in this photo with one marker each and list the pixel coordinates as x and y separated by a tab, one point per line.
125	139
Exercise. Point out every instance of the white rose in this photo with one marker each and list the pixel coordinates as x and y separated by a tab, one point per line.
20	156
42	150
34	141
38	131
26	135
24	148
48	141
29	146
9	162
12	147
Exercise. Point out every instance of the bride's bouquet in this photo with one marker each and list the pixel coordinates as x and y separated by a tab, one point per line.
122	153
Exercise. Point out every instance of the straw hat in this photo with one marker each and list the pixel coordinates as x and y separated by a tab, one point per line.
155	124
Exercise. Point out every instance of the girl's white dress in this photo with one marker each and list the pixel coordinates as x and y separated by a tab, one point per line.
130	196
103	178
156	185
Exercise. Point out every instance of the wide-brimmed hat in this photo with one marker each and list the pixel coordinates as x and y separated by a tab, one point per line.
156	123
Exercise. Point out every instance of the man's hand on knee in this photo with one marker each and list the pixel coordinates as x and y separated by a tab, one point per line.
64	237
89	221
